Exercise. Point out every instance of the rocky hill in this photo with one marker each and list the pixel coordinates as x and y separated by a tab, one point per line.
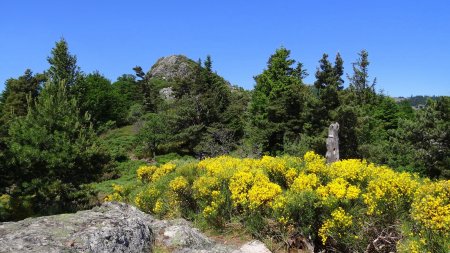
173	67
112	227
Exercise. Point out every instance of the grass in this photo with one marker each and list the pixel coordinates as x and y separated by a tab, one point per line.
127	171
120	142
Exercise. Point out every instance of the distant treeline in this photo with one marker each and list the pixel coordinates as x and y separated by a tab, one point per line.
419	100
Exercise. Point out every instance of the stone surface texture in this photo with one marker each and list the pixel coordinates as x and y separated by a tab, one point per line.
109	228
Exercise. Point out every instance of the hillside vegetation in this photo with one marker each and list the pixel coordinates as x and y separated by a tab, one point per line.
66	136
348	206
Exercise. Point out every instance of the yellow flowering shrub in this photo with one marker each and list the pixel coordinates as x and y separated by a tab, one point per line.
117	195
144	173
305	182
337	189
221	167
5	203
290	176
204	186
179	184
389	190
314	163
351	170
147	198
240	184
263	192
431	206
339	221
163	170
347	201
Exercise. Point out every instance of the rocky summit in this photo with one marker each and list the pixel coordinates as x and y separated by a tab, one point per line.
173	67
111	227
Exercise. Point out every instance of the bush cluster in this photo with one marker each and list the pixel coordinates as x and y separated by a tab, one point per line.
350	205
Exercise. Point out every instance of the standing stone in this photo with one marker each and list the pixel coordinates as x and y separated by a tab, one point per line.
333	143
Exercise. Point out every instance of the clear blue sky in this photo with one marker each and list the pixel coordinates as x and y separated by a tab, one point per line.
408	41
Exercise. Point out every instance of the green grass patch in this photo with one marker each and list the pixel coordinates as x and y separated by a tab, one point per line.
120	142
127	172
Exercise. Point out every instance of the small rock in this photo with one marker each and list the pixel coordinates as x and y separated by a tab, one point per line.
253	247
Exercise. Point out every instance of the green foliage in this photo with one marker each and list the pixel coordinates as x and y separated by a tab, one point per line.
423	142
149	90
96	96
201	118
359	81
120	142
53	152
63	65
278	102
153	134
18	92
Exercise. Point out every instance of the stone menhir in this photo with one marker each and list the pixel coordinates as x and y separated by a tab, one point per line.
333	143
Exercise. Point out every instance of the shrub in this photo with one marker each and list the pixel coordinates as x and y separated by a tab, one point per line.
350	205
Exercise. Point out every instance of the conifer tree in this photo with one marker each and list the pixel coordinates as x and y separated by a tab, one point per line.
18	92
339	71
63	65
53	150
359	81
278	102
150	93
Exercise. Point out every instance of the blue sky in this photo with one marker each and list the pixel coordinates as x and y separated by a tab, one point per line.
408	41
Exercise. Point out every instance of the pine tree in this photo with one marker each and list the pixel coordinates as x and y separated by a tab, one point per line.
208	63
339	71
359	81
63	65
278	103
53	151
325	75
328	83
150	92
18	92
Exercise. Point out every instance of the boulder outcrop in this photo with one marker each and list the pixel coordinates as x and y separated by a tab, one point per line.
111	227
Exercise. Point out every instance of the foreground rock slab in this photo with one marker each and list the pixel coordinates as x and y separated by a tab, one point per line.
112	227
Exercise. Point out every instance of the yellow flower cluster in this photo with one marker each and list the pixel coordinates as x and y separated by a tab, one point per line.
338	189
145	199
263	192
179	184
431	206
117	195
152	173
339	220
314	162
389	190
346	192
351	170
159	207
163	170
240	184
5	202
144	173
221	167
204	186
211	210
305	182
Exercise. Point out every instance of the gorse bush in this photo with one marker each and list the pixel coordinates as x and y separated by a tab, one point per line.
350	205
